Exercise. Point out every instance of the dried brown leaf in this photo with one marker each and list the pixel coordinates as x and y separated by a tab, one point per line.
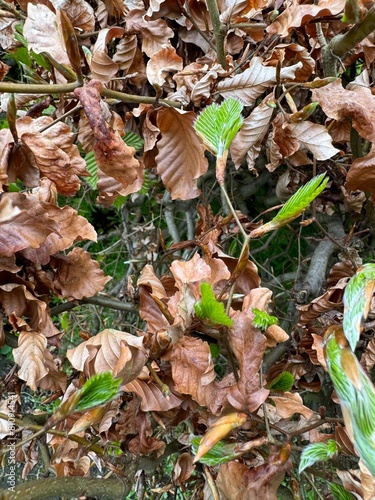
361	174
27	224
19	303
358	105
315	138
42	35
152	398
79	12
110	350
55	154
180	161
103	68
183	469
71	228
29	355
77	275
161	64
113	156
290	403
297	14
254	81
125	52
237	482
155	34
248	345
248	140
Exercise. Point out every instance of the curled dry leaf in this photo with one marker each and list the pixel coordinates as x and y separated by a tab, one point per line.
19	303
180	161
77	275
290	403
71	228
183	469
236	481
113	156
296	15
27	224
248	140
125	52
361	174
155	34
103	68
358	105
331	299
79	12
315	138
152	398
161	64
110	350
29	355
55	155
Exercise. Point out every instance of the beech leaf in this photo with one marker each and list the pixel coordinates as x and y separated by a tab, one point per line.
294	206
208	308
217	125
317	452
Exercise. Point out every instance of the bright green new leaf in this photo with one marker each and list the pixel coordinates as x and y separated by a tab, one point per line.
339	492
357	396
217	125
130	139
218	454
208	308
317	452
263	320
357	299
99	390
283	382
294	206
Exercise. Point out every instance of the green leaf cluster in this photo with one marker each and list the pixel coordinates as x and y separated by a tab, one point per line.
339	492
357	397
208	308
317	452
263	320
218	124
300	200
357	302
283	382
99	390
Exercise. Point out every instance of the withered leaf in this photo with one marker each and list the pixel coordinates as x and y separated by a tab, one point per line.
77	275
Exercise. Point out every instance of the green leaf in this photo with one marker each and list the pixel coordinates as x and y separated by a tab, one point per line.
98	390
317	452
133	140
209	308
294	206
283	382
218	454
357	298
217	125
339	492
263	320
119	202
357	397
130	139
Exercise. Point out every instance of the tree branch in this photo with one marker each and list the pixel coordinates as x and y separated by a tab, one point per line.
341	44
219	31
